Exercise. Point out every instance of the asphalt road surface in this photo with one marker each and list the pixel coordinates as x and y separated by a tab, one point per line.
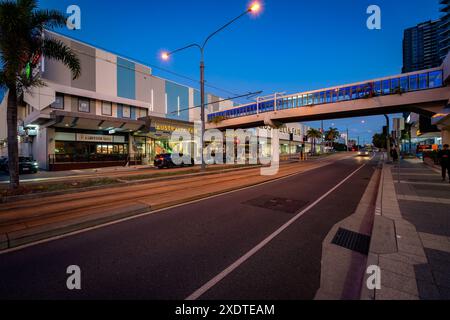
172	254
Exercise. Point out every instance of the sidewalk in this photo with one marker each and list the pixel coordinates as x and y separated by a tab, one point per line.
411	235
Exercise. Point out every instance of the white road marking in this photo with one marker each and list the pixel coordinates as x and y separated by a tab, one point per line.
210	284
59	237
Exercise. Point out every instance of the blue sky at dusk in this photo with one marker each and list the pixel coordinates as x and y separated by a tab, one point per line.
293	46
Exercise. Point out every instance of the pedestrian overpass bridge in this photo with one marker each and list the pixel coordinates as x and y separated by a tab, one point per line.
424	92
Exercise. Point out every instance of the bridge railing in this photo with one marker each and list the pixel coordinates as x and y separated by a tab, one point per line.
389	86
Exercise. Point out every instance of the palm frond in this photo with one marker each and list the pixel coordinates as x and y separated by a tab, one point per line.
57	50
48	19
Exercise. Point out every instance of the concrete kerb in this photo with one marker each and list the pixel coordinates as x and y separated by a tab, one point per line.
390	236
342	270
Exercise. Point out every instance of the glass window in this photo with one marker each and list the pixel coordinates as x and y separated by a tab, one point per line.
335	94
59	102
126	112
341	94
322	97
316	98
435	79
413	82
354	92
143	113
84	105
106	108
294	103
310	99
423	81
377	86
404	85
395	85
386	86
329	94
347	93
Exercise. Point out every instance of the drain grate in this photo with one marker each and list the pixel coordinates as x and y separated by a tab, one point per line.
277	204
353	241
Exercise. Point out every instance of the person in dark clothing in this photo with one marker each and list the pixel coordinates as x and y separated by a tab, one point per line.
394	154
444	159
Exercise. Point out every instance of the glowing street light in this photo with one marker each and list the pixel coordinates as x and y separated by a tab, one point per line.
165	56
254	8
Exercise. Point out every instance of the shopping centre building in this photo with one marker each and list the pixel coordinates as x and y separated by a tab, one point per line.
116	112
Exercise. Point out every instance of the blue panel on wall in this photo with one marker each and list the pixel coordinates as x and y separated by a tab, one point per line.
119	111
133	113
126	79
175	91
197	98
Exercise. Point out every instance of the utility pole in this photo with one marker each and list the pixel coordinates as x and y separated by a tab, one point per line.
388	138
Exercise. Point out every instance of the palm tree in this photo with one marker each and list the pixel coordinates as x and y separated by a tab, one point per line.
314	134
331	135
22	42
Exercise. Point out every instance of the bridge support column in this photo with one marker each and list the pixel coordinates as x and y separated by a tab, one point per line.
275	146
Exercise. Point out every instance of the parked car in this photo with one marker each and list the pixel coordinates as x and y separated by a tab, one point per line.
26	165
165	161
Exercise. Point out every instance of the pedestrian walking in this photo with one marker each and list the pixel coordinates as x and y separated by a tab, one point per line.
444	160
394	154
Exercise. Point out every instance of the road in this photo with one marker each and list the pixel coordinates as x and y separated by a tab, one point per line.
173	253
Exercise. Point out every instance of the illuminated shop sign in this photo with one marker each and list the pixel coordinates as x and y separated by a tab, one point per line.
93	138
166	127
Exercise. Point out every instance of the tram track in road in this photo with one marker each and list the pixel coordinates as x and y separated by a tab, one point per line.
31	212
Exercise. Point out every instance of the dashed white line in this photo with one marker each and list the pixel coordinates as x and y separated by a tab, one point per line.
210	284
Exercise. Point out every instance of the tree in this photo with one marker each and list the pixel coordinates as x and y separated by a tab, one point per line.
314	134
379	141
22	42
331	135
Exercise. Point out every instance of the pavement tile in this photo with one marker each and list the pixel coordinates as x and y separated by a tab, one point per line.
410	270
434	237
415	250
406	258
437	245
398	282
412	240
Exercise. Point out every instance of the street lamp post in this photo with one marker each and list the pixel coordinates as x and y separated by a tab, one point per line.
254	8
